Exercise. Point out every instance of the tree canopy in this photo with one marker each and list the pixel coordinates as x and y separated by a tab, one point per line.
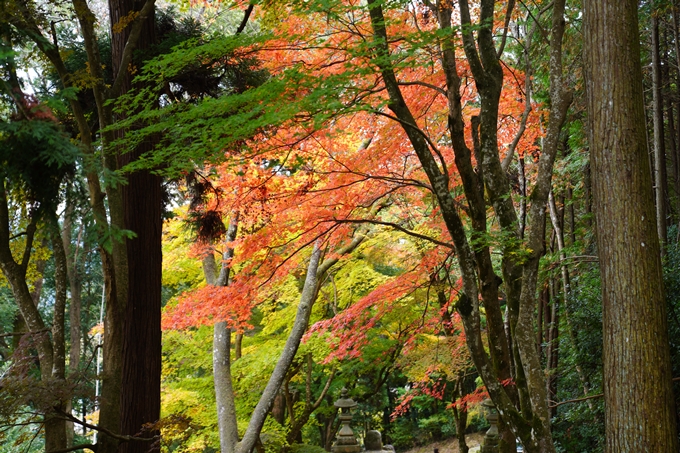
402	199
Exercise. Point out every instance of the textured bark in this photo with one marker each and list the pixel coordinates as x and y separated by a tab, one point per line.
51	353
55	426
75	305
224	391
309	293
481	54
141	348
639	403
460	415
473	186
676	150
660	179
560	99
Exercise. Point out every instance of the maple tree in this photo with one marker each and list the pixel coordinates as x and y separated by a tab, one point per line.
382	174
420	135
416	149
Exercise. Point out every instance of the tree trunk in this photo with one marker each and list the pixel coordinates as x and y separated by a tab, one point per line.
141	349
639	403
660	180
55	426
224	391
676	150
460	413
672	150
75	304
309	293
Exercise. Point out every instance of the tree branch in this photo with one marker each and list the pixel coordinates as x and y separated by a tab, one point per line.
109	433
427	85
427	139
246	16
263	407
16	334
527	106
399	228
577	400
30	234
319	400
92	447
508	14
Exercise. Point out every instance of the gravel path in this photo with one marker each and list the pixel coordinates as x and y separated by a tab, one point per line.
449	445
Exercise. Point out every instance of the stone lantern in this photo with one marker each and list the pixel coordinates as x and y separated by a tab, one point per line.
491	438
345	442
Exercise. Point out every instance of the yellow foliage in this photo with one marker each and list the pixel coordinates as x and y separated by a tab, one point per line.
179	268
124	21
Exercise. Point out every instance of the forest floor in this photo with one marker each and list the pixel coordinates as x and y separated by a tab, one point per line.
450	445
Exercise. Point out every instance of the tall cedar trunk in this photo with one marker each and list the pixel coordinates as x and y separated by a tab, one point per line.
639	404
671	150
55	426
676	150
141	349
660	181
74	305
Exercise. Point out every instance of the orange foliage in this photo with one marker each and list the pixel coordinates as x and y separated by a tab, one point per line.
300	183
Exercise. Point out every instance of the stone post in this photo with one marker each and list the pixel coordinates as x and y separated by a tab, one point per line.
491	438
346	442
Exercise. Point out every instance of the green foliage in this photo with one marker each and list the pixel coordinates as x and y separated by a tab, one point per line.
188	390
581	360
306	448
181	271
35	156
672	283
205	85
273	436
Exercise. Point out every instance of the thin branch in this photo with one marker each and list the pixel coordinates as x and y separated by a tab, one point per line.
319	400
417	129
527	106
92	447
544	33
577	400
109	433
30	234
399	228
17	236
246	16
439	90
506	27
349	248
16	334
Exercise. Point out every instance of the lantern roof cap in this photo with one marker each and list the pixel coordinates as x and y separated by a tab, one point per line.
344	402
